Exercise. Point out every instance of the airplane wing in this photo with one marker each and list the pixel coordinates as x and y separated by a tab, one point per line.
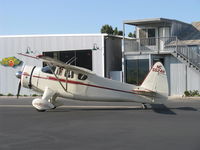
58	63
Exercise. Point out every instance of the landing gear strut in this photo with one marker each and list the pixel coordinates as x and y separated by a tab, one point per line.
144	106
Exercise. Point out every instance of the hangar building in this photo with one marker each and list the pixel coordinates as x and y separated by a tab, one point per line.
98	52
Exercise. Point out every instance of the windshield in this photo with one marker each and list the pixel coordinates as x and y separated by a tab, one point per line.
49	70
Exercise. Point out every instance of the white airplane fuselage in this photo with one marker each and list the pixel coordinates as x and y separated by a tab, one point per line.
63	80
93	88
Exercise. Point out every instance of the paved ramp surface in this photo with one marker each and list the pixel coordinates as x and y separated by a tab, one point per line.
100	126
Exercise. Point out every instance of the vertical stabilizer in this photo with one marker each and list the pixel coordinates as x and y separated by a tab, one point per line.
156	81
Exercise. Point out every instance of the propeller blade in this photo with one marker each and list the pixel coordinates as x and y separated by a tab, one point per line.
19	75
19	88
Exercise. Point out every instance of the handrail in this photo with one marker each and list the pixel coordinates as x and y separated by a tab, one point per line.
163	44
147	44
190	55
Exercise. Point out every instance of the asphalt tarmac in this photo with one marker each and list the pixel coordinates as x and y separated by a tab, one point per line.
100	126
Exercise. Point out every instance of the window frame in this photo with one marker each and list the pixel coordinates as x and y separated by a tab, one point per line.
82	76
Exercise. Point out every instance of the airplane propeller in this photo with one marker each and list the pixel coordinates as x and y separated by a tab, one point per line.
19	88
18	75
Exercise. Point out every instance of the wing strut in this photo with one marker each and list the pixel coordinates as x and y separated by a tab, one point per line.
71	60
65	89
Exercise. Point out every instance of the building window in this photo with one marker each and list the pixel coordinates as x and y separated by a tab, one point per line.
136	70
80	58
147	37
151	33
151	37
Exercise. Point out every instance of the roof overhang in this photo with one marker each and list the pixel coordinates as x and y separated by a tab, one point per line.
148	21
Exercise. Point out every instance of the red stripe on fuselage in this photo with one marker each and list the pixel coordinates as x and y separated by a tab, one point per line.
85	84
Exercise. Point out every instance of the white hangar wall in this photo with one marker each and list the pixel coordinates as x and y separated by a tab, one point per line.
182	77
11	45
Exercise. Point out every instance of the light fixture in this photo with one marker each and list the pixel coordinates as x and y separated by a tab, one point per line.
28	50
95	47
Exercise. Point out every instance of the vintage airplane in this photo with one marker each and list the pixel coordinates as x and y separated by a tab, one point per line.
59	79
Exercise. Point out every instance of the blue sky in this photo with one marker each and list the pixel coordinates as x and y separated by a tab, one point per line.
87	16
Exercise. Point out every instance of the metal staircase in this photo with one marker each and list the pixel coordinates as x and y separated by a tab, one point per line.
185	54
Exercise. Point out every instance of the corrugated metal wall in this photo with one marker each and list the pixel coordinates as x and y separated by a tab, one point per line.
113	53
182	77
11	45
193	79
177	76
178	80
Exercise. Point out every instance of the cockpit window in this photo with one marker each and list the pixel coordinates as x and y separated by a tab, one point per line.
69	74
82	76
60	71
49	70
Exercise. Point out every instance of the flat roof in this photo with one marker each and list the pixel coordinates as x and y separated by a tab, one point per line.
149	21
52	35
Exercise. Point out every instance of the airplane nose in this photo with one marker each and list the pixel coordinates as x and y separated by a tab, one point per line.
18	74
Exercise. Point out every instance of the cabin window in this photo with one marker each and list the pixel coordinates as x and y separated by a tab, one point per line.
82	76
49	70
60	71
69	74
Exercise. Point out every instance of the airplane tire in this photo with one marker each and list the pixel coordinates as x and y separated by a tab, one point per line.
144	106
40	110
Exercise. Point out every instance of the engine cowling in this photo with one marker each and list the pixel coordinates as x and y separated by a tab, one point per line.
27	76
41	104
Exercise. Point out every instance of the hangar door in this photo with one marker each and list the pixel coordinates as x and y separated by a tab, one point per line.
83	57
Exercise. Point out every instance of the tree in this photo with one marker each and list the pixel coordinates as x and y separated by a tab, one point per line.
131	34
115	31
120	32
107	29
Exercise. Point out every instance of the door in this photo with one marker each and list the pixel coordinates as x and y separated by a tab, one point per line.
164	34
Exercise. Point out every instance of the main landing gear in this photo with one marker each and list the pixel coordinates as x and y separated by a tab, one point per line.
144	106
43	110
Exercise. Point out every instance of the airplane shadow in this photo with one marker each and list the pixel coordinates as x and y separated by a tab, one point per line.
163	109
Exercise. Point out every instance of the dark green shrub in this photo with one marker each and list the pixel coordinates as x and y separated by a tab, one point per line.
187	93
195	93
9	94
192	93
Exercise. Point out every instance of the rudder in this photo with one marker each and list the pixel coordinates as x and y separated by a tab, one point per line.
156	81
